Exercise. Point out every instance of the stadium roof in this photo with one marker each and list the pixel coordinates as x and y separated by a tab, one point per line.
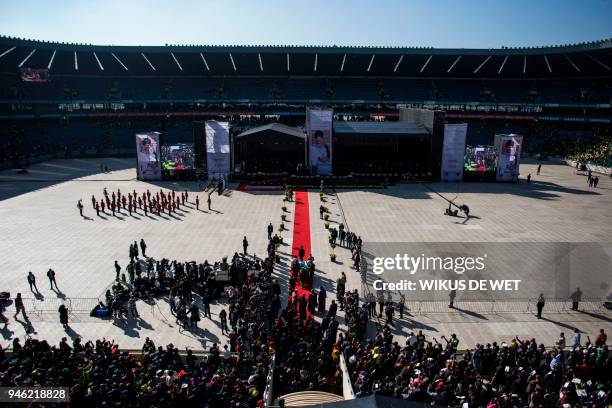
571	60
380	128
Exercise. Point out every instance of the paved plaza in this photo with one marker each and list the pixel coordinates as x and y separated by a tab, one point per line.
41	228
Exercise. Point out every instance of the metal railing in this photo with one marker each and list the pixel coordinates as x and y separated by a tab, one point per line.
519	305
347	385
39	307
268	394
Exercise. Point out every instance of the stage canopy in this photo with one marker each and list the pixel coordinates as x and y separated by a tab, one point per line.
381	128
273	129
272	148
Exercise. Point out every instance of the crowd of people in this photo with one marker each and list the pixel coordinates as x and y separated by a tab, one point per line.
519	373
592	180
599	154
100	374
307	352
189	287
344	238
147	202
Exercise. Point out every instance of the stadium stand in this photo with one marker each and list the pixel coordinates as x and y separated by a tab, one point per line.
80	100
560	74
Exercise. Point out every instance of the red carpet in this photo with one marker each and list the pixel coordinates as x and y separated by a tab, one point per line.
301	232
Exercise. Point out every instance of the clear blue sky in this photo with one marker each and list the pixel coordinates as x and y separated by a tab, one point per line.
442	23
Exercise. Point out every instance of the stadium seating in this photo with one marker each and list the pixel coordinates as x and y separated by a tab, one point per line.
299	89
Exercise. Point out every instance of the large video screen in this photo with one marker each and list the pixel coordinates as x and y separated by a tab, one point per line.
34	75
177	157
479	159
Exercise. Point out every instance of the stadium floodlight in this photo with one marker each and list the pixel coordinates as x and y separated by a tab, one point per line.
371	61
76	62
453	64
343	61
501	67
399	61
177	61
7	51
26	58
98	61
119	61
232	59
599	62
205	63
572	62
51	60
482	64
548	64
426	63
148	62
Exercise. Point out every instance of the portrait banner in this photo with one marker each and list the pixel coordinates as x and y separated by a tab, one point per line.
509	153
319	125
217	149
147	154
453	150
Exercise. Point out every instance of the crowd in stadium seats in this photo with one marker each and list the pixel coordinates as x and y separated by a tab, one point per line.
261	89
599	154
307	357
521	373
557	140
101	374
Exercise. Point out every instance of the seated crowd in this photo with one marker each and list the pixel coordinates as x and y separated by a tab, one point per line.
100	374
600	154
521	373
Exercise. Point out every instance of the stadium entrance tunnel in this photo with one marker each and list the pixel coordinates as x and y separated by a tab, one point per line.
273	148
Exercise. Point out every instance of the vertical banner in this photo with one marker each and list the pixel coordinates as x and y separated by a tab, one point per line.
147	154
508	153
319	125
453	149
217	149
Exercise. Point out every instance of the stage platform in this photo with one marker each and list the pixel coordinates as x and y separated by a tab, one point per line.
42	228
